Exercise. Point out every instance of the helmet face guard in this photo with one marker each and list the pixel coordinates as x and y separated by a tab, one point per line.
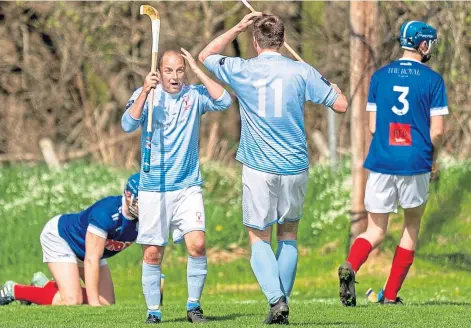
132	186
430	50
133	207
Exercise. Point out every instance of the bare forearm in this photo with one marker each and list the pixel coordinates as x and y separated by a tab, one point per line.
437	129
437	141
92	277
215	90
218	45
138	106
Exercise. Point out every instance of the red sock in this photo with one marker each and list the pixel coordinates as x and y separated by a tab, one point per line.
402	261
359	252
37	295
40	295
51	284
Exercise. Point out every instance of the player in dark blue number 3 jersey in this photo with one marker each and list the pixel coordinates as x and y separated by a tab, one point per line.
407	102
76	246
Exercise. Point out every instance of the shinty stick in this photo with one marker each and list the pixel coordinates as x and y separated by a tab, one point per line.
155	19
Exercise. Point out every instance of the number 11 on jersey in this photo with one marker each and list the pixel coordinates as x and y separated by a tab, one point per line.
277	86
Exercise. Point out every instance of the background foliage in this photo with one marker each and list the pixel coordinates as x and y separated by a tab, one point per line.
68	68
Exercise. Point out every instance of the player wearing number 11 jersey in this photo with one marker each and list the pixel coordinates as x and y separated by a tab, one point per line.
406	102
271	90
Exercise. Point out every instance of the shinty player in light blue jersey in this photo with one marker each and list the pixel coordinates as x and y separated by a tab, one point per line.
170	195
272	91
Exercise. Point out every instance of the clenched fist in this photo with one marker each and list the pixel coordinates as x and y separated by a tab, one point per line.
151	81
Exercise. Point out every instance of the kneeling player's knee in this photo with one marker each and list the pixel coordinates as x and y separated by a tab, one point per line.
73	299
197	249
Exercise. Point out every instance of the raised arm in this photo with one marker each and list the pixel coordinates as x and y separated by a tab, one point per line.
215	90
131	118
214	96
94	248
218	45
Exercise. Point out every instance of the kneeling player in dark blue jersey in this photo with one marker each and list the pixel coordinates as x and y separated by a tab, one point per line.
407	101
76	246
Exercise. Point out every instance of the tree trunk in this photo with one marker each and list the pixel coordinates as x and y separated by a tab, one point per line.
363	16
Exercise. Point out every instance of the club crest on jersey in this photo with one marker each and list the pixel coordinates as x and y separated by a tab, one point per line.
186	102
116	246
399	134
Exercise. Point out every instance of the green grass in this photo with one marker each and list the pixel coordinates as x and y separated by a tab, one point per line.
248	314
437	290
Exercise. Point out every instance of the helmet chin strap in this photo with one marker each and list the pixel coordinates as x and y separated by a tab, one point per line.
425	58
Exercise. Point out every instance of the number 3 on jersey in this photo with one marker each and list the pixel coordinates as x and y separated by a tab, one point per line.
277	86
402	98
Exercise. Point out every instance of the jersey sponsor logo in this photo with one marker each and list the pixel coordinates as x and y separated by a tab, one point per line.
222	60
399	134
116	246
404	71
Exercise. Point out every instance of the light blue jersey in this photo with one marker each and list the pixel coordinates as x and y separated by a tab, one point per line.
272	90
174	162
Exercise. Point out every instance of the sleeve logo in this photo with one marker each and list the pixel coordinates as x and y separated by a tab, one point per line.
129	104
325	81
222	60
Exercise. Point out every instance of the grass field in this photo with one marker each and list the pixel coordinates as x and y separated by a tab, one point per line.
230	314
437	292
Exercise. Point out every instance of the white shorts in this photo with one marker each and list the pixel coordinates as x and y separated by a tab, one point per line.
55	248
384	192
161	213
270	198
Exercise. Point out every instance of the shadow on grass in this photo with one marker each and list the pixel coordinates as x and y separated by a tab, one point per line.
428	303
227	317
231	316
311	323
458	261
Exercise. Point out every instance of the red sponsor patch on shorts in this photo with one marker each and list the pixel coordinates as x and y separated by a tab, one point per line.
399	134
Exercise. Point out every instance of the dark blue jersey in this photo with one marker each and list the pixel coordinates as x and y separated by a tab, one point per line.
404	94
105	219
